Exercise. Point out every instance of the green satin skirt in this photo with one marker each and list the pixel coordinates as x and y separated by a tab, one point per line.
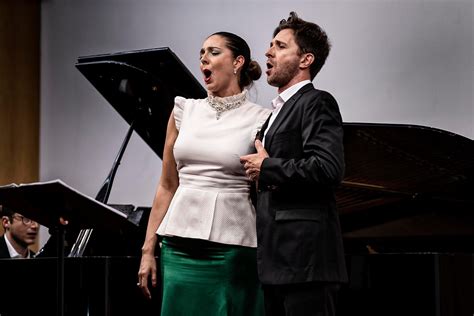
205	278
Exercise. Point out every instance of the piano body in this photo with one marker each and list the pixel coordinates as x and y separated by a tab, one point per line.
406	207
406	210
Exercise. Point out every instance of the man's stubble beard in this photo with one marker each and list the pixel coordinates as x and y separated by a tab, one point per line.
282	77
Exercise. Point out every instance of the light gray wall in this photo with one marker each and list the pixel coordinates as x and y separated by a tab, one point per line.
399	61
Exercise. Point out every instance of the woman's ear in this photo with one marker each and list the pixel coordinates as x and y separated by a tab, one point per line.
238	63
306	60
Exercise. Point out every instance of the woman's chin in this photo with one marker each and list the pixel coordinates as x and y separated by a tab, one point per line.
211	89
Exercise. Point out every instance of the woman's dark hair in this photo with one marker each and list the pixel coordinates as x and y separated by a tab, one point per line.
251	69
310	38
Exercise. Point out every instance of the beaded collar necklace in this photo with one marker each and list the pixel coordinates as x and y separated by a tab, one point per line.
221	105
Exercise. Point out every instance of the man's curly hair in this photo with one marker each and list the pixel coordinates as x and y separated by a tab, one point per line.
310	38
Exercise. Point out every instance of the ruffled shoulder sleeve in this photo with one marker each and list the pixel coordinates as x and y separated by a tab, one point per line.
178	110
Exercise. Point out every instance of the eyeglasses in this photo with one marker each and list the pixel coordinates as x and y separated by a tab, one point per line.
25	220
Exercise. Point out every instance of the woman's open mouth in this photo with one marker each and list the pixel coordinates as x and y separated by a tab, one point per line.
207	75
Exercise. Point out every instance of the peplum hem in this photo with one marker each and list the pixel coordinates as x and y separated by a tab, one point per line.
227	218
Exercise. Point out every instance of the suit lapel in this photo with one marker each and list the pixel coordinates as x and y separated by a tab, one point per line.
4	253
284	112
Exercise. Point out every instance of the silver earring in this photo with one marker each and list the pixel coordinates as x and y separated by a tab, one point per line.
235	71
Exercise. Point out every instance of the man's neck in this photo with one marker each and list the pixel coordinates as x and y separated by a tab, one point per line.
296	79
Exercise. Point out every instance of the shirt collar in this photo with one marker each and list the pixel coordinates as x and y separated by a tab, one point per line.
288	93
13	253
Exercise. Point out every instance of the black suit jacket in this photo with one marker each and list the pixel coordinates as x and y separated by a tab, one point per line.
298	231
4	253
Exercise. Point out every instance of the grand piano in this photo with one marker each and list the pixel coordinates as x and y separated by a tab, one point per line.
406	208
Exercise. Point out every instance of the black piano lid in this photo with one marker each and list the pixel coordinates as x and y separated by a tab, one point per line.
407	181
141	85
408	160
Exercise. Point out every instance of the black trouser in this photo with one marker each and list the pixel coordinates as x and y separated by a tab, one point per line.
302	299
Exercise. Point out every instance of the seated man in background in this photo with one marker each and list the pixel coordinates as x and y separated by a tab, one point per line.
20	232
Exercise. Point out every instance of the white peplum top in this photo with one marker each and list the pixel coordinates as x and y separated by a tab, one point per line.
212	201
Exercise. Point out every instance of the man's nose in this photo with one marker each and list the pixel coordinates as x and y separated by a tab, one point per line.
269	52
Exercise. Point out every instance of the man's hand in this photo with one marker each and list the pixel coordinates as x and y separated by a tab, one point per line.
252	163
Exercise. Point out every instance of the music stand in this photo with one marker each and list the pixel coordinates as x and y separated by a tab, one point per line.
46	202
